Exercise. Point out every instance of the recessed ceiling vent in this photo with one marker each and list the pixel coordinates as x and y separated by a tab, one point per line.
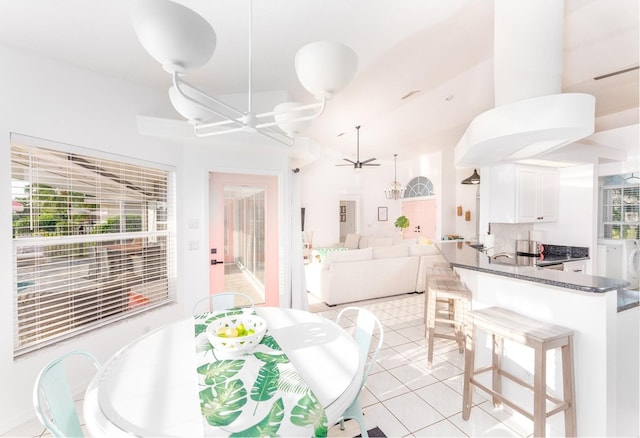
531	116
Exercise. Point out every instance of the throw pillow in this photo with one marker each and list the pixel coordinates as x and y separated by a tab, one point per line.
351	241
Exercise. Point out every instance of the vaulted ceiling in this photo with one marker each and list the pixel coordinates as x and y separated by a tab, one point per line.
425	66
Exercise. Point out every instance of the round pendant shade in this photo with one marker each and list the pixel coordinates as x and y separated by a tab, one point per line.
291	128
324	67
174	35
186	108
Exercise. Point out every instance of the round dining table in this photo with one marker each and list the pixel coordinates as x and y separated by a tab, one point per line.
150	386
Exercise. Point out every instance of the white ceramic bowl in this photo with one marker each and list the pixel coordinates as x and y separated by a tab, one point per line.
240	344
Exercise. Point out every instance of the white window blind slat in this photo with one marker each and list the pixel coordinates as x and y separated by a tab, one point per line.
88	248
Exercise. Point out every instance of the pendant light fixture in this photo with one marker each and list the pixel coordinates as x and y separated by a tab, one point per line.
473	179
396	191
180	39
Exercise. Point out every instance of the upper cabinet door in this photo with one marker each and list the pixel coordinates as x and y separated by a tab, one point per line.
547	196
523	194
537	194
527	195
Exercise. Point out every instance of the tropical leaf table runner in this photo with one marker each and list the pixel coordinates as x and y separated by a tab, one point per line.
259	393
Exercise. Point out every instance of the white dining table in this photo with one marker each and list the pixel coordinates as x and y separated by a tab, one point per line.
150	386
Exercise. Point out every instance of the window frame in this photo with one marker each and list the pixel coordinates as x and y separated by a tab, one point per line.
146	260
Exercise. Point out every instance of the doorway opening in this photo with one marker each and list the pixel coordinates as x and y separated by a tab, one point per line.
244	236
347	218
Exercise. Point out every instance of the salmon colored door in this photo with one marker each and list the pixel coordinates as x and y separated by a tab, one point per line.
422	218
243	236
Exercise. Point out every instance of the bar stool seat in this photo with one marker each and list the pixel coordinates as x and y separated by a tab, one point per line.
448	288
504	324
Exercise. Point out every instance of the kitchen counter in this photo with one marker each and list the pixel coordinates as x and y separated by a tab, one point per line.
461	255
602	314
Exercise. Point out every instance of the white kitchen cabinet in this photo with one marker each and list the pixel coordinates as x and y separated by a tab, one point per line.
579	266
521	194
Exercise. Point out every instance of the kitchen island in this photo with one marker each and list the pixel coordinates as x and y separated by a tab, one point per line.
605	340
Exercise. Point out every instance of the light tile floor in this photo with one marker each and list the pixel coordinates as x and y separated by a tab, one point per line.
402	396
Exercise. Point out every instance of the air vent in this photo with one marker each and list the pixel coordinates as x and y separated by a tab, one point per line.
409	94
615	73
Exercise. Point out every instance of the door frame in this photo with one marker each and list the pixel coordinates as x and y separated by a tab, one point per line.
273	242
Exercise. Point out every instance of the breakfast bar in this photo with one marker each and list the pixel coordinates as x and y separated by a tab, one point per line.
600	311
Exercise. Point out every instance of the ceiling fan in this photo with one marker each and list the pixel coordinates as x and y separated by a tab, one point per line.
359	164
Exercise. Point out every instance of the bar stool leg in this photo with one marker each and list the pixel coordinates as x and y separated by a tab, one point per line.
469	366
498	345
568	388
539	391
458	327
431	326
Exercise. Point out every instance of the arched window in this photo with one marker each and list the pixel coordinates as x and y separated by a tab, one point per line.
419	186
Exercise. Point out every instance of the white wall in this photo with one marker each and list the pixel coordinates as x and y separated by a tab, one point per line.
46	99
324	185
231	157
467	196
578	211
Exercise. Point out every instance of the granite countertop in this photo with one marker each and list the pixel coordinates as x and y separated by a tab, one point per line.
628	299
461	255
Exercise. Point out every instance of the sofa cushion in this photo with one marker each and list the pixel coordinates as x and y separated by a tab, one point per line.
421	250
364	241
354	255
399	241
351	241
384	252
380	241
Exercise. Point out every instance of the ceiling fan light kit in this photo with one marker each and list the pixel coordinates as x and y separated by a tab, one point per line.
180	39
357	165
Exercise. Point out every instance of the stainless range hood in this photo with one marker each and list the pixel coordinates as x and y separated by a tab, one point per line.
532	116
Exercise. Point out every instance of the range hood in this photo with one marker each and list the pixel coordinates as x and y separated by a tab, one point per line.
532	116
526	129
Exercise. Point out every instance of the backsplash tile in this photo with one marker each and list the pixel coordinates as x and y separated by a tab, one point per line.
569	251
507	234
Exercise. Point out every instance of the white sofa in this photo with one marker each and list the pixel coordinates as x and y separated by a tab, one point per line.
372	272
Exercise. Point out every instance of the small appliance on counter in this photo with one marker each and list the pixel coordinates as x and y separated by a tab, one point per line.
531	248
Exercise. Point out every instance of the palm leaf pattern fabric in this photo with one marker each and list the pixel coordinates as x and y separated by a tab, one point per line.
256	394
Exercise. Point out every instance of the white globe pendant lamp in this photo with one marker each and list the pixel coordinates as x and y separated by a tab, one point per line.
324	68
180	39
173	34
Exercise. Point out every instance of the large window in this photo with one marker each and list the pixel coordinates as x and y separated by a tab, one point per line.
93	239
620	207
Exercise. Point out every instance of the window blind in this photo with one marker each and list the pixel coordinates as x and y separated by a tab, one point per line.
92	240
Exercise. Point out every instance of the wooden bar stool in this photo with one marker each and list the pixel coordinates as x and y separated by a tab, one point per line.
504	324
438	270
452	289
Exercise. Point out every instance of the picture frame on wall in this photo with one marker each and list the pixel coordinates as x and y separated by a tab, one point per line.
343	209
382	214
343	217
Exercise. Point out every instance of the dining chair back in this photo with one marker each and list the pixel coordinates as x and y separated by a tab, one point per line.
53	398
222	301
367	328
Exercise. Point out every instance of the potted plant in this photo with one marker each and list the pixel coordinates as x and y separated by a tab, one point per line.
401	223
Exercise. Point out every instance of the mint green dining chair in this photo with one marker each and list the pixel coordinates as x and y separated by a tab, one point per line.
367	327
52	396
222	301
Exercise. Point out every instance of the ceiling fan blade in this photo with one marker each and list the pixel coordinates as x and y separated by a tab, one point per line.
345	164
352	162
368	161
370	164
